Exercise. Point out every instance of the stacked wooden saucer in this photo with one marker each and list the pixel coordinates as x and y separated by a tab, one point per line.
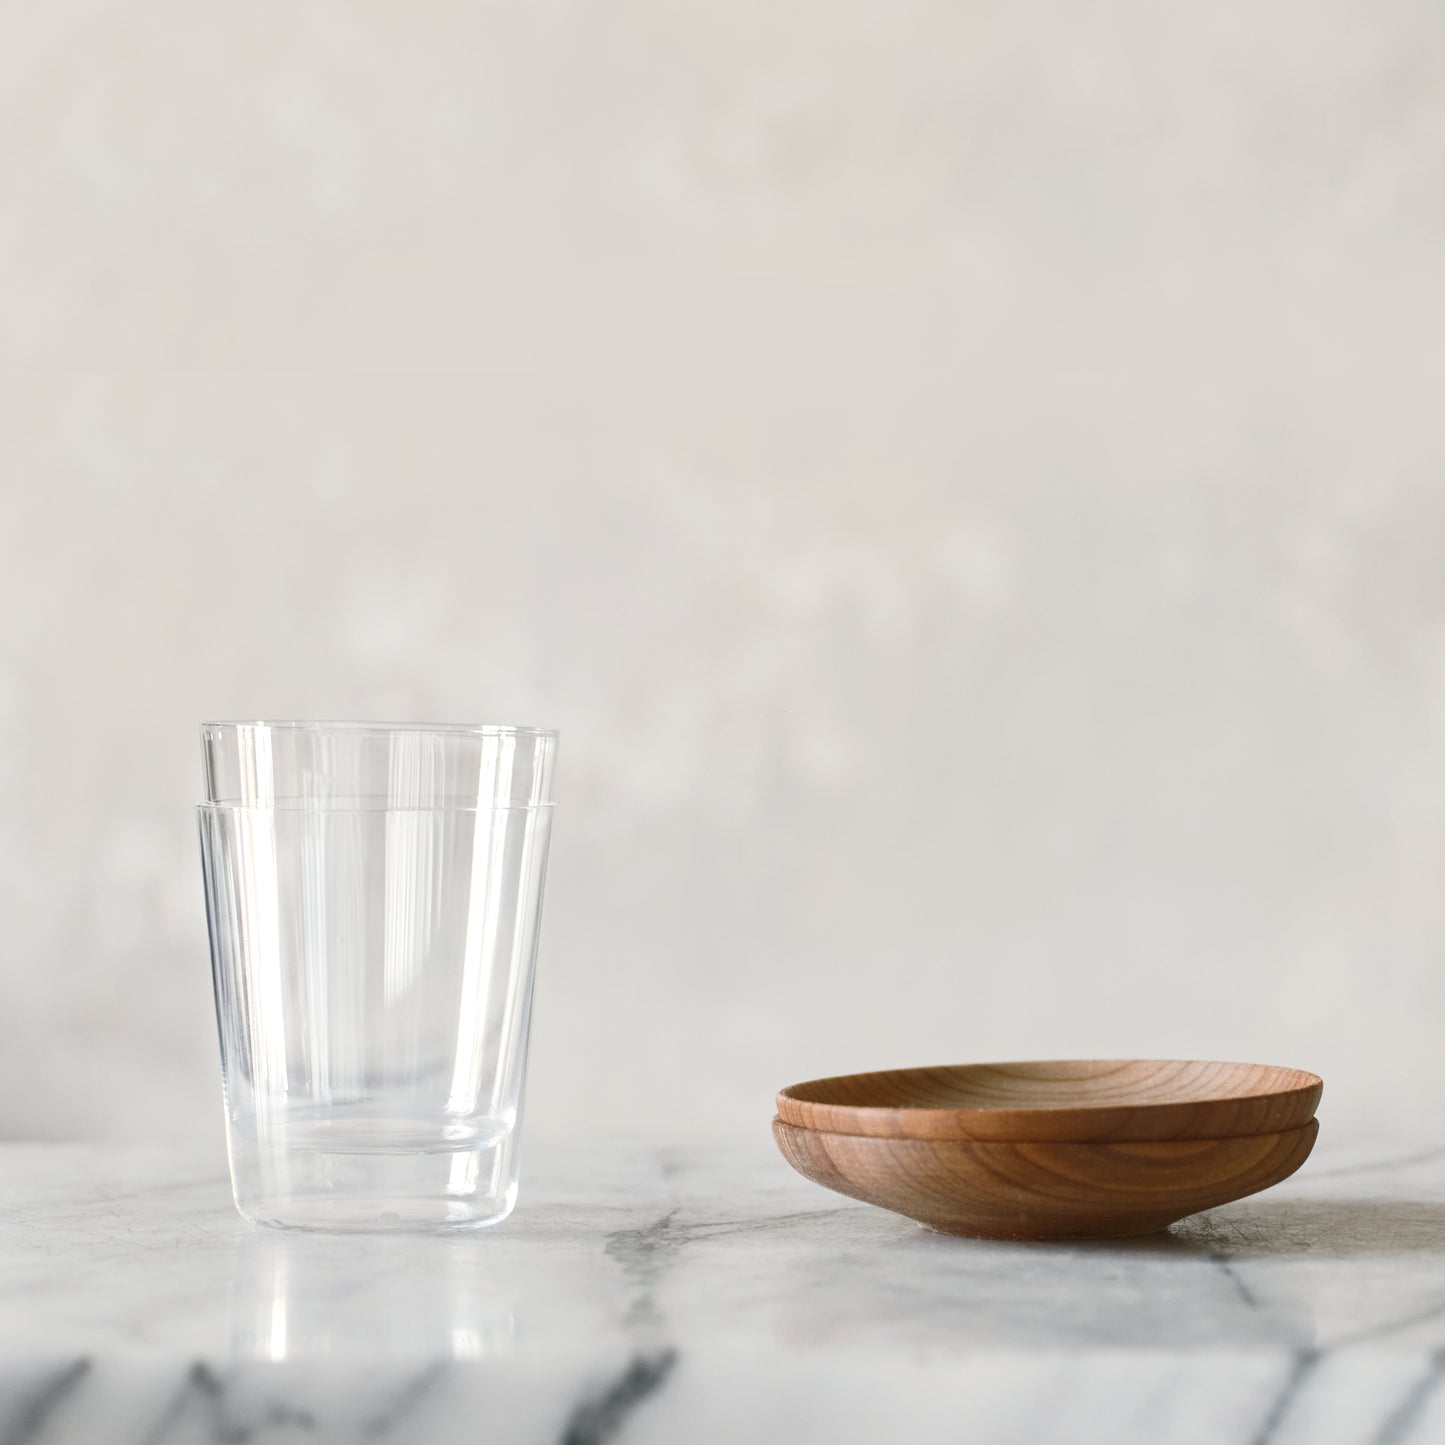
1066	1149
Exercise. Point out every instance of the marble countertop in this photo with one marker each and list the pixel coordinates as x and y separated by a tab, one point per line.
689	1295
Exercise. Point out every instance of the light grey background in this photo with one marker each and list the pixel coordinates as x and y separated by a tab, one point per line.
966	479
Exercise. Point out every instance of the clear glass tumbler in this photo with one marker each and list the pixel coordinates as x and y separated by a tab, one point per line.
374	892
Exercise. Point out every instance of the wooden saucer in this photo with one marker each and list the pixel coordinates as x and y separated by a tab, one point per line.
1045	1190
1068	1100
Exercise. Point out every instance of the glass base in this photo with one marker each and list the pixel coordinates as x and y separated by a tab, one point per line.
370	1193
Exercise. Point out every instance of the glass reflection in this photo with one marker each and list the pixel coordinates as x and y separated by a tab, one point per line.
313	1297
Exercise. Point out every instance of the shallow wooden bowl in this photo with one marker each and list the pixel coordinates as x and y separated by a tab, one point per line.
1044	1190
1064	1100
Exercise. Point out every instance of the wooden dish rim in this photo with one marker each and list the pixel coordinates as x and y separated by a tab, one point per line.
1226	1115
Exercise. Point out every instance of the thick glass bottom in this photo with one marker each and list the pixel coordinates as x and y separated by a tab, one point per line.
315	1188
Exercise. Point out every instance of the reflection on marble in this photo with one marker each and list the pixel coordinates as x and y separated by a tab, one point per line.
667	1294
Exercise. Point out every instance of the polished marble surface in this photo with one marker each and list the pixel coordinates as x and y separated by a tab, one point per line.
669	1294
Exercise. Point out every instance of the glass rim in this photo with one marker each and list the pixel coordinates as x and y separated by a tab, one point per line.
342	725
321	805
362	805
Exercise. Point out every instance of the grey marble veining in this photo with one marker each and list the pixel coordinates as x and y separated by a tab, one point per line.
669	1294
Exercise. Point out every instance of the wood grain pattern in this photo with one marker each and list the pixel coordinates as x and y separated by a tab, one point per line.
1067	1100
1044	1190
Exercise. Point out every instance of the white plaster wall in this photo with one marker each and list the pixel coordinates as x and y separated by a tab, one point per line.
967	479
